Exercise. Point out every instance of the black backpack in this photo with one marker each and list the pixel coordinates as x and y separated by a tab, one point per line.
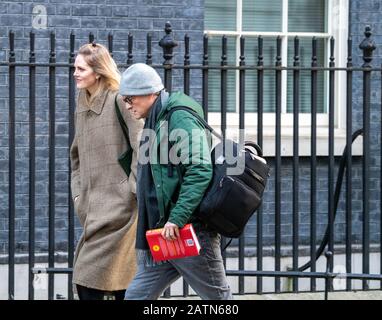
230	200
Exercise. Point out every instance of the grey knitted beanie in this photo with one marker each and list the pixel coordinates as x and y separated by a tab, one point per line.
140	79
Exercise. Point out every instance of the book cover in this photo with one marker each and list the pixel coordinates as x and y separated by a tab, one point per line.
186	245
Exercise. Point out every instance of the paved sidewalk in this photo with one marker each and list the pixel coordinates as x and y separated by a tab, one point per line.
353	295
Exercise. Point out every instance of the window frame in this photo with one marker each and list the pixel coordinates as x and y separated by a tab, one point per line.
337	21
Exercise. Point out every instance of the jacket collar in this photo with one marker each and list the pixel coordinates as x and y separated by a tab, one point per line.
96	106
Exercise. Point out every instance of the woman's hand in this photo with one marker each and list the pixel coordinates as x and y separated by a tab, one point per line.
170	231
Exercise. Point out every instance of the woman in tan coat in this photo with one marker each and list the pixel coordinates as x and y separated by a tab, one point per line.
103	195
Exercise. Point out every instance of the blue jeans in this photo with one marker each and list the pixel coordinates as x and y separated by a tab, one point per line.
204	273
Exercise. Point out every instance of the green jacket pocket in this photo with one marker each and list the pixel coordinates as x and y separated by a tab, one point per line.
125	160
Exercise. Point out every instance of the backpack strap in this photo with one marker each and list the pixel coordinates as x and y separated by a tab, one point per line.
198	117
122	122
226	246
200	120
207	126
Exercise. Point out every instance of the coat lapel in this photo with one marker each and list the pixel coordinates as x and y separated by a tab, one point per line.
97	104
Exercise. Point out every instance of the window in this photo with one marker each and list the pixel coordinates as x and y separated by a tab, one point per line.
285	18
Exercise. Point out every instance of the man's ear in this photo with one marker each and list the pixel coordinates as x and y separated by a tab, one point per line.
154	97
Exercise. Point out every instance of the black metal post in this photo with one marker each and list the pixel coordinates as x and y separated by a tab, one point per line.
223	112
328	277
223	87
331	150
91	37
313	165
205	77
241	140
110	43
296	113
260	108
278	95
368	46
149	56
11	167
71	137
349	130
52	167
186	74
32	165
168	44
130	49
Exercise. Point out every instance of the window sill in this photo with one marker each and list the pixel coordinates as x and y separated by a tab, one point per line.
269	141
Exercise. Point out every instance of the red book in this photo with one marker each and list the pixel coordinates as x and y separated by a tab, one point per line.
186	245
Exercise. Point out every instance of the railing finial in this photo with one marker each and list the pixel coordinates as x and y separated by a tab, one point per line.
367	46
168	44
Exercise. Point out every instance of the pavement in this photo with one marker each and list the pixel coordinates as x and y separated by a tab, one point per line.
351	295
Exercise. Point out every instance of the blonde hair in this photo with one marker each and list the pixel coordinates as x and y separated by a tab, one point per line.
99	59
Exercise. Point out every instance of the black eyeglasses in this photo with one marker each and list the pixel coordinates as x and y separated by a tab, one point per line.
128	99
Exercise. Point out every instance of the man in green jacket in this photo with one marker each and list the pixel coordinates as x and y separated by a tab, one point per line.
166	199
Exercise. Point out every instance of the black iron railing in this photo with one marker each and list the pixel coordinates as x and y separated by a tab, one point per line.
168	44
